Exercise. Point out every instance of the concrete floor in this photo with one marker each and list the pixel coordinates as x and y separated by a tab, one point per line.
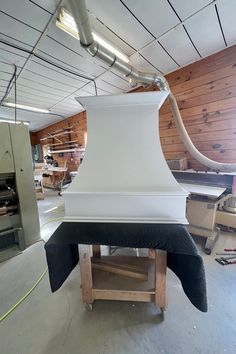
57	323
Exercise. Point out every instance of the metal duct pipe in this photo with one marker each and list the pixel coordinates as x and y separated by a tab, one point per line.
81	17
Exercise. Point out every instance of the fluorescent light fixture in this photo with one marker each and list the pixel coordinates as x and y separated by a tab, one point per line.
27	108
66	22
13	121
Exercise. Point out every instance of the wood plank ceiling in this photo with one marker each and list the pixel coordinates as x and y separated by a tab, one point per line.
156	35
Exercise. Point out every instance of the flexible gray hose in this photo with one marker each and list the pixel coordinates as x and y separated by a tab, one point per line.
213	165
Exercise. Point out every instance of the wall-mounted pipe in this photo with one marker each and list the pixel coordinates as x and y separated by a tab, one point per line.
81	17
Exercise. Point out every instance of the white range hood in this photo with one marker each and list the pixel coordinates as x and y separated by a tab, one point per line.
124	176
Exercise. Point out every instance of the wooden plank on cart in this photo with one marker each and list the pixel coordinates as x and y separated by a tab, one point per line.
160	294
86	273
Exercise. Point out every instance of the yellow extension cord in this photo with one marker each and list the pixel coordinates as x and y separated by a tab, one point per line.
35	284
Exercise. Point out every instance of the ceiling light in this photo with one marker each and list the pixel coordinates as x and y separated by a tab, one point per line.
66	22
27	108
13	121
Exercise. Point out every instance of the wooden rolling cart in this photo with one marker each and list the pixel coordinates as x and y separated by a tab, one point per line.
130	278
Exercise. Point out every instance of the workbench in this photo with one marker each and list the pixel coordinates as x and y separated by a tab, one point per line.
55	177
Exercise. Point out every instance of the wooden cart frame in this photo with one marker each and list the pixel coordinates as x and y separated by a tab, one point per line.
90	259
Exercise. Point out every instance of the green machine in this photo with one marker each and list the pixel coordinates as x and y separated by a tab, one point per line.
19	221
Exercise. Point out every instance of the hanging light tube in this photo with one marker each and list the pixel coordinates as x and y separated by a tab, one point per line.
66	22
11	121
27	108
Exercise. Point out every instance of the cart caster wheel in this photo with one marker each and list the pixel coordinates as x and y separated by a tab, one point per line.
208	251
89	307
163	314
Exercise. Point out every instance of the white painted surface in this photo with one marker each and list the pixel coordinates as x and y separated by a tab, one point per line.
210	191
141	64
156	15
120	21
157	56
205	31
24	11
178	44
124	176
18	30
227	10
187	8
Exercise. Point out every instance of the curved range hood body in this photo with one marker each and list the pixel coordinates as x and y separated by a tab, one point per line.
124	176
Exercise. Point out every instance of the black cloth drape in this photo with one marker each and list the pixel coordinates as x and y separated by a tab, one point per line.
183	257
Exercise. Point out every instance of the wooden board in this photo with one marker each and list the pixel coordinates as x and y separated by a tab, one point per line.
121	265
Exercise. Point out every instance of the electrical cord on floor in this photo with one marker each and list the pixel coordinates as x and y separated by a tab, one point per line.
35	284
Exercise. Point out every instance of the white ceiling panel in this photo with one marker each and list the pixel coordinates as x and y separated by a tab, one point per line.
141	64
12	56
67	110
2	90
205	31
21	96
39	90
7	68
27	84
227	12
107	87
33	92
109	36
18	30
56	75
27	12
115	80
45	81
120	21
178	44
89	88
83	93
157	16
158	57
71	104
5	76
48	5
41	121
187	8
57	51
3	86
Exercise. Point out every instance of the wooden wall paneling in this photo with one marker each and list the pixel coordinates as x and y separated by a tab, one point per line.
77	125
228	103
206	65
203	137
206	95
203	146
206	127
205	117
209	87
